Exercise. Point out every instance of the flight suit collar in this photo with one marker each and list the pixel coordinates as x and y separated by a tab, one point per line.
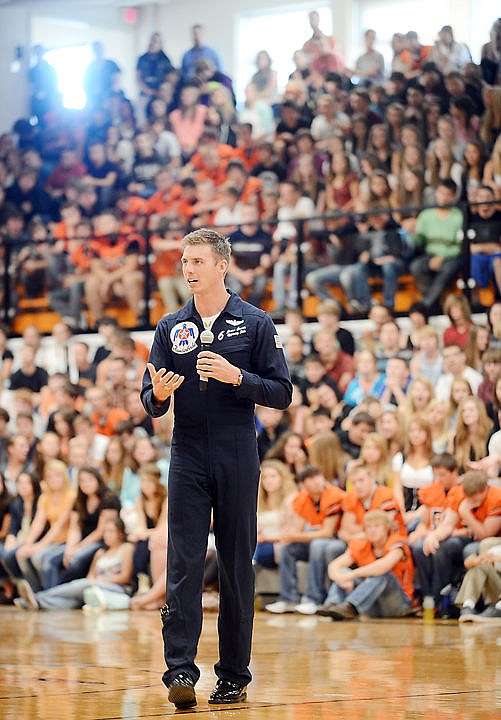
233	307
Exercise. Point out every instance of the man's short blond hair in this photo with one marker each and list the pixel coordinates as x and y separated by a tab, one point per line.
219	244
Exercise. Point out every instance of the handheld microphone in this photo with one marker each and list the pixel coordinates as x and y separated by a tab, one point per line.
206	339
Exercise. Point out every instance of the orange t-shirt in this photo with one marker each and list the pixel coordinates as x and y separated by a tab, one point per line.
490	506
247	156
162	202
225	152
436	500
253	187
54	508
383	499
82	256
362	553
106	425
315	514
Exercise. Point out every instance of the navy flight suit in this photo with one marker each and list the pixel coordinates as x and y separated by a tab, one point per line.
214	466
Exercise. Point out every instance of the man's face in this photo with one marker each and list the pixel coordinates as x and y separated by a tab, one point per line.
477	498
359	432
389	336
363	484
485	211
315	485
376	531
447	478
444	196
397	371
202	268
453	359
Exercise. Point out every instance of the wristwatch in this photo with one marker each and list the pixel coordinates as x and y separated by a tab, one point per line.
239	381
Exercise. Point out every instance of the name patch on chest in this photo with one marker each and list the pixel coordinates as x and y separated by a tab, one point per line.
184	337
233	332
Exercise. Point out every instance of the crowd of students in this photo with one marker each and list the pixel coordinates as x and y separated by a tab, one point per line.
388	461
388	456
79	192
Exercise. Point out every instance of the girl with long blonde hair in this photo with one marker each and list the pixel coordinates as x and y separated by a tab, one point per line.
415	470
326	453
474	427
276	488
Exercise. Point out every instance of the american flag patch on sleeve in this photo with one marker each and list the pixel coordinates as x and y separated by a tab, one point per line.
278	342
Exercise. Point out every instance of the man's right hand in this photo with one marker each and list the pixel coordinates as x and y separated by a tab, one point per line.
164	382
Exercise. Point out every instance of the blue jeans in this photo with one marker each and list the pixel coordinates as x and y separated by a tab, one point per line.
71	595
377	596
281	296
79	566
432	283
344	275
36	568
444	567
265	555
390	272
318	554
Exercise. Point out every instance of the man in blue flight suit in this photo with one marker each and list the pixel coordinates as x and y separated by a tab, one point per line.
214	461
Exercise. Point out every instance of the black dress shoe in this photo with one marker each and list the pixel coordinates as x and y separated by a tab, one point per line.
182	691
227	692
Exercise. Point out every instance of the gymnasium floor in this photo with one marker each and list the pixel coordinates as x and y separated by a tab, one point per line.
72	666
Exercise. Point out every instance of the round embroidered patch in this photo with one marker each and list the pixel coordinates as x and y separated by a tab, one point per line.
184	337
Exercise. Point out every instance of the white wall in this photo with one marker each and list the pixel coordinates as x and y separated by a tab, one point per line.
14	32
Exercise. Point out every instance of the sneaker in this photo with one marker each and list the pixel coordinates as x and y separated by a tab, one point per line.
342	611
490	614
27	594
280	607
467	614
307	607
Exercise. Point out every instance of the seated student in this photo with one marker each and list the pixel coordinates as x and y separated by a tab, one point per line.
271	424
469	441
250	260
427	361
397	382
49	528
21	512
482	581
276	489
328	316
367	380
455	368
317	511
438	232
107	585
94	505
472	513
375	454
291	450
383	256
338	365
485	247
151	520
364	495
413	470
381	583
434	500
352	439
390	345
115	268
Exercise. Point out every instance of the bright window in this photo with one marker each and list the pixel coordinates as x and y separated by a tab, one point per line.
281	33
70	65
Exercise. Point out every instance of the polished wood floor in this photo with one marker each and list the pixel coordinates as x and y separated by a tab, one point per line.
72	666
